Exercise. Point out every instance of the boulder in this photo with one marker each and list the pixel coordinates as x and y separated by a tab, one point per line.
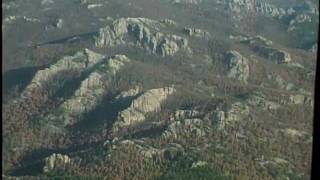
238	66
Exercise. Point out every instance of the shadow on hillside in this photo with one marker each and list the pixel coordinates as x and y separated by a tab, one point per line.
18	79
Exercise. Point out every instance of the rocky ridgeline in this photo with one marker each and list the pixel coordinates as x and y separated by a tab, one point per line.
238	66
56	162
144	32
150	101
91	90
80	61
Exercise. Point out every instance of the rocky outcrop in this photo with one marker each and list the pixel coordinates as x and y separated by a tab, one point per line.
192	127
238	66
276	55
168	22
199	164
279	82
82	60
92	89
260	6
222	118
169	151
150	101
144	33
269	10
56	162
259	100
293	134
300	99
253	40
130	93
197	32
299	19
183	114
11	19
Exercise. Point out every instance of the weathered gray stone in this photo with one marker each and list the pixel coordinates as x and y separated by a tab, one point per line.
81	61
259	100
193	127
199	164
255	40
130	93
150	101
260	6
183	114
145	34
92	88
238	66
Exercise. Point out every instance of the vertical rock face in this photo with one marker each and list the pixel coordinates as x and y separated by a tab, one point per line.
238	66
82	60
150	101
144	33
56	162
